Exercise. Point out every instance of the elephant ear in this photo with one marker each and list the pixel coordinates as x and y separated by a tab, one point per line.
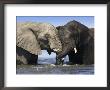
26	39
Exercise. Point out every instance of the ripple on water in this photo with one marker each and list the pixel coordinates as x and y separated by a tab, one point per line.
58	69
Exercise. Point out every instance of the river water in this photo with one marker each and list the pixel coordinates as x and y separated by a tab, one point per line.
46	66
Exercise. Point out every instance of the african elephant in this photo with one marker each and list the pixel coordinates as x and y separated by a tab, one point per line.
32	37
74	34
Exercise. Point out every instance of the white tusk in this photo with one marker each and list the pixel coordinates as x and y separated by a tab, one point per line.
63	58
56	50
75	50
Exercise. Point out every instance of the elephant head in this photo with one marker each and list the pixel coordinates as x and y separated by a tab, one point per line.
35	37
74	36
67	40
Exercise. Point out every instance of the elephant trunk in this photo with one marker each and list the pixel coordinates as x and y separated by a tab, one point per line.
68	45
62	54
65	52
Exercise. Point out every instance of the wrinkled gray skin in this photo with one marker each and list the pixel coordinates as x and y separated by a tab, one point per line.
91	32
32	38
75	34
68	44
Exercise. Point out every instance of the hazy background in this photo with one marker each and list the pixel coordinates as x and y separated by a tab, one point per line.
56	21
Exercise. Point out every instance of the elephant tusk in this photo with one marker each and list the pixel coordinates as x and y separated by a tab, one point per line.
56	50
75	50
63	58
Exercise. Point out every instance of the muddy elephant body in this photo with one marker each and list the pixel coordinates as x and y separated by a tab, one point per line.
32	38
82	38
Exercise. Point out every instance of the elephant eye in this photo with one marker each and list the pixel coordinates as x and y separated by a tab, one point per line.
42	40
47	36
